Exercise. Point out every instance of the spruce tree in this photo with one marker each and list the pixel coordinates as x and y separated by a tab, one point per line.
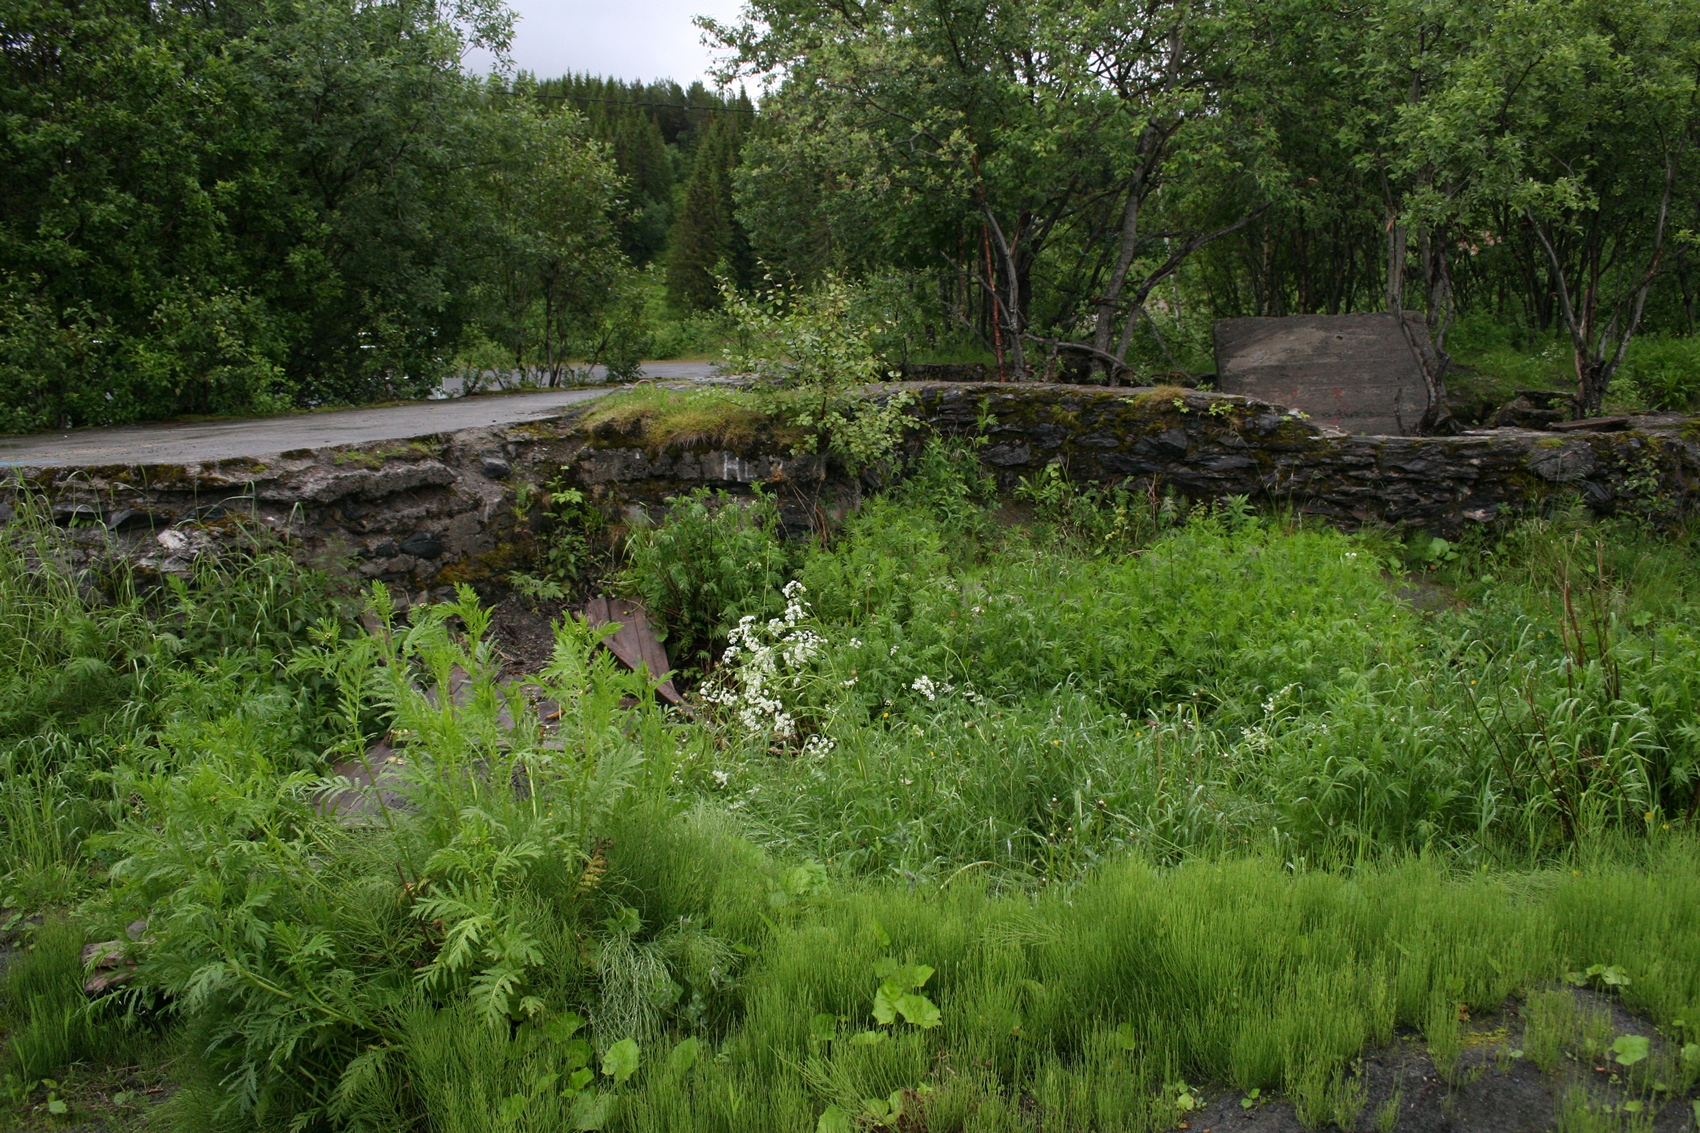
706	237
641	155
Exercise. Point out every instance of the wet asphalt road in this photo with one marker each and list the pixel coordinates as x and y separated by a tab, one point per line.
191	442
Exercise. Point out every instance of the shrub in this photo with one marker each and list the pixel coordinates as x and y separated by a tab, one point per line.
712	560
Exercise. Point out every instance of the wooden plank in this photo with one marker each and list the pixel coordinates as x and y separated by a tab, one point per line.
1591	425
634	643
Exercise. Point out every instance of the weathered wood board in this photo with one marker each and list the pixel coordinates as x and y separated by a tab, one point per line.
1357	373
635	644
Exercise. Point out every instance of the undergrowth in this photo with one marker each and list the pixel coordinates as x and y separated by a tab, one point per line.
975	826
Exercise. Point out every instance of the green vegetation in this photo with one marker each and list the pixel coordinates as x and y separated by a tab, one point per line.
977	825
203	215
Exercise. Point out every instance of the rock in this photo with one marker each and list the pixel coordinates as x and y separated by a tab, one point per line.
1170	442
1007	454
1532	409
1573	461
129	518
70	514
423	544
494	466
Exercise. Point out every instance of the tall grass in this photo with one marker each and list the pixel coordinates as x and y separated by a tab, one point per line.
1091	1006
104	670
1229	683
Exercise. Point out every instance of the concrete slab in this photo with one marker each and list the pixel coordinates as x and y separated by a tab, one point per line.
1357	373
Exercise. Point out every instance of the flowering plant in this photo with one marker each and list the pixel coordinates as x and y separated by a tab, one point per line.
769	673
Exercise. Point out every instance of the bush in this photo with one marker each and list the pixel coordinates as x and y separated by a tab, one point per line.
1662	373
712	560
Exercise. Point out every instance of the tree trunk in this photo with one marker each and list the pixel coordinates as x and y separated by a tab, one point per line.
1437	320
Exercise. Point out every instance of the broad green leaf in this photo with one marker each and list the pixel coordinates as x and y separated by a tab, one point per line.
1125	1039
823	1027
592	1110
563	1027
1630	1049
914	977
885	1002
918	1009
684	1056
575	1053
621	1060
834	1120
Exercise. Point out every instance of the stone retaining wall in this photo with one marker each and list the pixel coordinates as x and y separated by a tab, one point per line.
1212	445
441	509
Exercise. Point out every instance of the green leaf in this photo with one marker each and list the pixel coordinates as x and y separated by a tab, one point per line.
914	977
575	1054
1124	1037
592	1110
918	1009
684	1056
1630	1049
885	1002
57	1108
869	1038
563	1027
834	1120
621	1060
625	919
823	1027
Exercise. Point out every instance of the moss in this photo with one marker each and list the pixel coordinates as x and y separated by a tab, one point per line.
1160	395
376	458
491	565
149	475
661	419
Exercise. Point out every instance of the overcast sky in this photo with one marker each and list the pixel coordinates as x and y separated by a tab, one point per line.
623	39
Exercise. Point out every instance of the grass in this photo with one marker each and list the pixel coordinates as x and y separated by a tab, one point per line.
1660	373
982	827
660	418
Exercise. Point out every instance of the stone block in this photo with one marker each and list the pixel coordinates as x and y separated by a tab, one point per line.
1358	373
